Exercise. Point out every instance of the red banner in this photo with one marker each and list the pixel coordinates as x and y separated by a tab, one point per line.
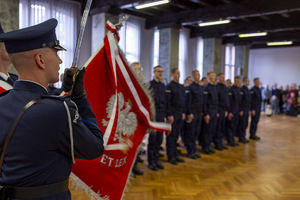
123	114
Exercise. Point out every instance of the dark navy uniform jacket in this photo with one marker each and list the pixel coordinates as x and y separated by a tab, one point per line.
255	98
234	98
245	98
194	98
159	97
211	98
39	152
223	97
175	98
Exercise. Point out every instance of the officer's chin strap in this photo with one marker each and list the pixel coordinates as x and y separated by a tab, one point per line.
71	131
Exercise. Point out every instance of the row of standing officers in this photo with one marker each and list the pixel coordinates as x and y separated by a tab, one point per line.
208	114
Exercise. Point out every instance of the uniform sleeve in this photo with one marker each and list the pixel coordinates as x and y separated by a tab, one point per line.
87	137
188	101
252	107
205	101
168	100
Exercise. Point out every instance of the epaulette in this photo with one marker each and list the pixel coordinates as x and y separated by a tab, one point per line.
4	93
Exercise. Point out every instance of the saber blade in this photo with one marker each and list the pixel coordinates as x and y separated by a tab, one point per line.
80	36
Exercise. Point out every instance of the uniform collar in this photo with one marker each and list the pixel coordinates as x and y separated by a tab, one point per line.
30	86
4	76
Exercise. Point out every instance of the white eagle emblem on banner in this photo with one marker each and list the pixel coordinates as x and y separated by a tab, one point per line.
127	121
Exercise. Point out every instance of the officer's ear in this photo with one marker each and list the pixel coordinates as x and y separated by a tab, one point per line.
40	60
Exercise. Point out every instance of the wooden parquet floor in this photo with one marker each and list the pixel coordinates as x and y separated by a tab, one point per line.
268	169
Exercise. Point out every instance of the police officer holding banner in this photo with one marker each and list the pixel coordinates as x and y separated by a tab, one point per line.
155	138
51	131
194	108
175	100
255	108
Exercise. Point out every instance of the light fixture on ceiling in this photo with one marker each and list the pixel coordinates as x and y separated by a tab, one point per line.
151	4
279	43
214	23
253	34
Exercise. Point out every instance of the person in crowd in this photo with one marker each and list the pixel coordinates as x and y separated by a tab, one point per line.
210	113
155	138
175	101
228	83
223	112
6	79
244	109
204	81
194	108
284	98
255	108
187	81
275	97
281	100
266	94
234	112
60	130
292	100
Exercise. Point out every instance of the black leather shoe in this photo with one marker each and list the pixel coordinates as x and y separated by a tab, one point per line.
219	147
244	141
161	155
136	171
192	156
139	159
224	147
254	137
236	144
173	161
206	151
153	166
179	160
197	155
160	166
211	151
231	144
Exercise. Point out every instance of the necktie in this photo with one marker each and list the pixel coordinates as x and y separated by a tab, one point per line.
10	81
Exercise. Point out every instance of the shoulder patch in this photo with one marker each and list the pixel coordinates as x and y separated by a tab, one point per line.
251	92
241	93
229	93
168	91
205	92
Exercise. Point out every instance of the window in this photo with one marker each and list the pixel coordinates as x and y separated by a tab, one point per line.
229	62
182	59
130	40
32	12
156	48
200	56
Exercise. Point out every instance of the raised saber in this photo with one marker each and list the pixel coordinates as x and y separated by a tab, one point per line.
80	36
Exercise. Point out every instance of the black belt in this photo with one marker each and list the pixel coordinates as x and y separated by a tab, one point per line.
196	109
177	109
159	110
213	106
34	192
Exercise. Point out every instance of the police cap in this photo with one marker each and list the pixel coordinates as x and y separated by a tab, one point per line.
33	37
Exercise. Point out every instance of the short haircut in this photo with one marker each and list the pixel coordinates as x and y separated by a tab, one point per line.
135	63
246	77
211	72
255	79
173	71
219	74
187	78
237	77
203	78
194	71
158	66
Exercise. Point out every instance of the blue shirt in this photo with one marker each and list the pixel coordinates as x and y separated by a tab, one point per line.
39	152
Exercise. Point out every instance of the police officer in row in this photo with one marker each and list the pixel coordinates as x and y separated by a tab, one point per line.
233	113
6	79
175	102
255	108
245	109
210	113
155	138
194	108
54	131
223	112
